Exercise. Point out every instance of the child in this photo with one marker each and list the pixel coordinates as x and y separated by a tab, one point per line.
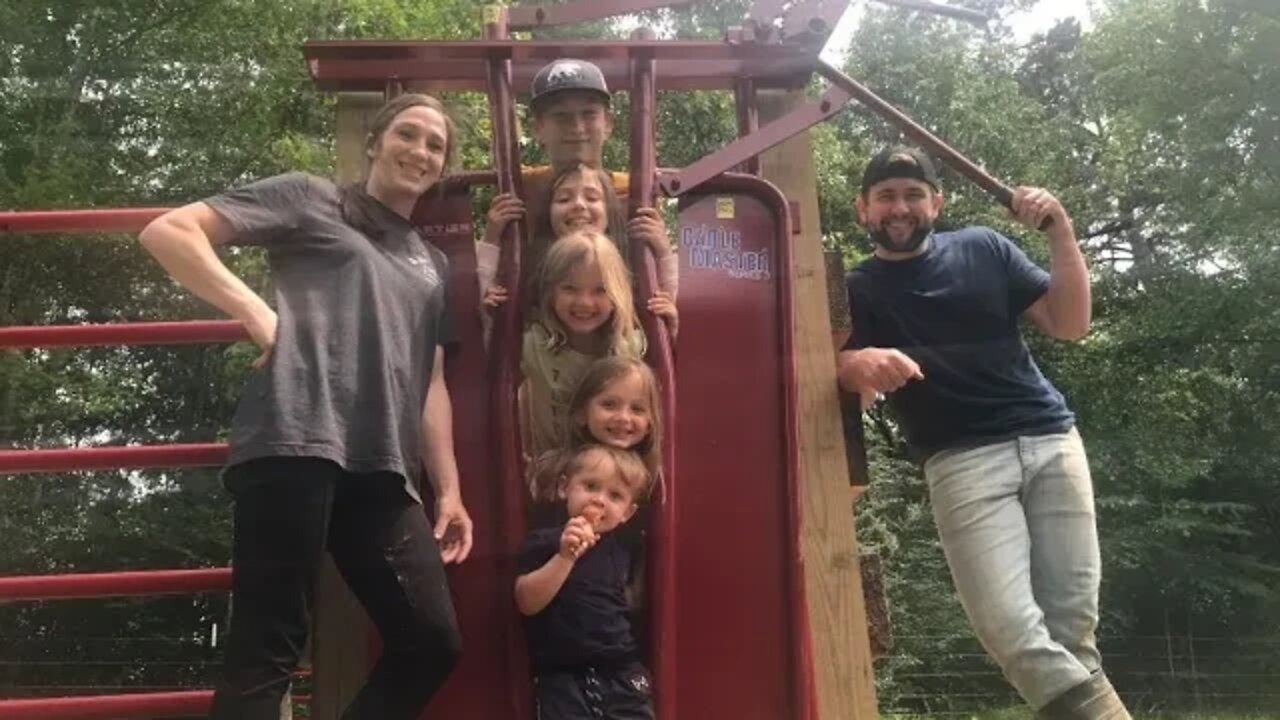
571	588
579	198
584	312
617	403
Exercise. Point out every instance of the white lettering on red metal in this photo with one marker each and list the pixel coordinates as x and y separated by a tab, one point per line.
718	248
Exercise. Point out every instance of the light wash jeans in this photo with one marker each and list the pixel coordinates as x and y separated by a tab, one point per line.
1017	524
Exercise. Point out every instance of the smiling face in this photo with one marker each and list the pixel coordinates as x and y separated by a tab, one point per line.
408	157
899	213
620	414
572	127
582	303
578	203
584	294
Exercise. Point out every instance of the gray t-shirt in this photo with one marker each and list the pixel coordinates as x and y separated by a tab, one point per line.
361	314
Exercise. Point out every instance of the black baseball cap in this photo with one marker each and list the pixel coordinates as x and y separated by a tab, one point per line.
899	161
568	74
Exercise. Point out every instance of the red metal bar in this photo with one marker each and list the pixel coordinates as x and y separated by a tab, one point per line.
112	458
540	52
462	64
529	17
804	683
930	142
122	220
505	350
737	152
137	706
114	584
661	545
748	111
149	333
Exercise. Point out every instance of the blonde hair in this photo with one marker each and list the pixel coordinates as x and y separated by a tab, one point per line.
599	376
567	253
629	466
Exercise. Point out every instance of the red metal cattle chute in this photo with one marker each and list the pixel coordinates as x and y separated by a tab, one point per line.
744	644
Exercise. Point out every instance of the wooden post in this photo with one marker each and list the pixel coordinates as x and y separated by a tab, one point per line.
342	633
837	612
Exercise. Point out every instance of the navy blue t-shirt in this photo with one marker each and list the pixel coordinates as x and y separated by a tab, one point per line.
587	622
955	311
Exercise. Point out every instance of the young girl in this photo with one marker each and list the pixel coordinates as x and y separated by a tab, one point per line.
584	312
616	403
579	198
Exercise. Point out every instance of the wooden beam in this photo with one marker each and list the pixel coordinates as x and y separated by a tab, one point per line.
342	635
837	612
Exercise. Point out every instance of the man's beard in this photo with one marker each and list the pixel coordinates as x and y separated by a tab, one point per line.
881	238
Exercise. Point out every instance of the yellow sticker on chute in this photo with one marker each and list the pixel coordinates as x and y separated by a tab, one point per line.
724	208
492	13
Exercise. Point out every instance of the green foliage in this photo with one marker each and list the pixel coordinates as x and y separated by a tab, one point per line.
141	103
1158	127
1158	131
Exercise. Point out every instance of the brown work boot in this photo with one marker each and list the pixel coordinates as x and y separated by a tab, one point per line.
1093	699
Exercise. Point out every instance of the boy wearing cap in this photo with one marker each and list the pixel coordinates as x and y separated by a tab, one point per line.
570	114
570	117
936	330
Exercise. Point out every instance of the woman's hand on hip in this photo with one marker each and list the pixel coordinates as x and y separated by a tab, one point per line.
262	327
453	529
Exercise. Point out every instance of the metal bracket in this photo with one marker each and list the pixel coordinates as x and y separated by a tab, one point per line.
841	91
740	150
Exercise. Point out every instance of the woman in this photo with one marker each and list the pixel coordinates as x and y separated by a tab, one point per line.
347	403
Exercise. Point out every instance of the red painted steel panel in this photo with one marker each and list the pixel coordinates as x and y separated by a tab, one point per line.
482	586
139	706
114	584
112	458
150	333
740	606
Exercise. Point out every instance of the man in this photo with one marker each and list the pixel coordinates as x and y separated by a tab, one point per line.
936	329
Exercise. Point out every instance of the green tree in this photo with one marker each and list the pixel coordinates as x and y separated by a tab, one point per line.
144	102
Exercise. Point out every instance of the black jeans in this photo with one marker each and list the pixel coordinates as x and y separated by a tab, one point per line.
622	693
288	511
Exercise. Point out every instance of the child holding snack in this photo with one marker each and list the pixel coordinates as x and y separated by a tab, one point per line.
572	592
